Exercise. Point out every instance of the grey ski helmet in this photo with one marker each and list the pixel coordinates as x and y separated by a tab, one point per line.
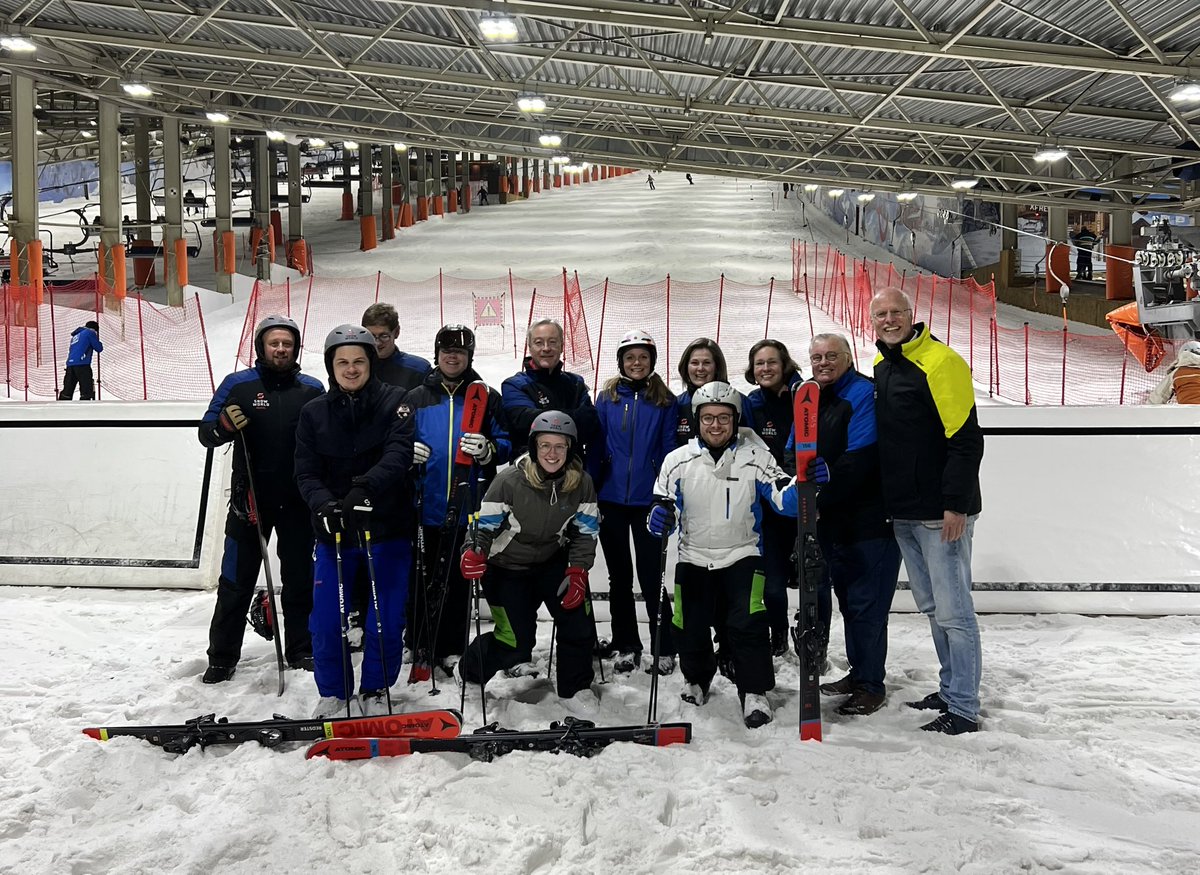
632	339
349	335
717	392
553	422
266	325
454	337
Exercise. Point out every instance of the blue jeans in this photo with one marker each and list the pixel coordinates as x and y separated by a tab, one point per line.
939	576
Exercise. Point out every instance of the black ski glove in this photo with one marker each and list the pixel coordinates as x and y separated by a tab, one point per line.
356	509
330	516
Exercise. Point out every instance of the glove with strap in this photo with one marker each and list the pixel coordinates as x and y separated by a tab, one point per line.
817	470
661	520
421	453
232	419
330	516
357	507
473	564
476	446
574	587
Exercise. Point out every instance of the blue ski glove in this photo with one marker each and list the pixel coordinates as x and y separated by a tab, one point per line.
817	471
661	520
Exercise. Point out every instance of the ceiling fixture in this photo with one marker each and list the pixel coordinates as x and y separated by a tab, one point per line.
497	27
400	147
866	197
274	136
811	186
349	145
217	118
1186	91
550	140
316	143
836	192
15	43
531	103
87	135
1050	153
906	196
136	89
561	159
964	183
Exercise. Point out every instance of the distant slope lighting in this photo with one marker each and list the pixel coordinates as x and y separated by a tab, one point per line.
550	140
217	118
531	103
497	27
964	183
836	192
274	136
316	143
17	44
1048	154
136	89
1186	92
349	145
906	196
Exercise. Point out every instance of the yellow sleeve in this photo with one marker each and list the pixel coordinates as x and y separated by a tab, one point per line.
950	384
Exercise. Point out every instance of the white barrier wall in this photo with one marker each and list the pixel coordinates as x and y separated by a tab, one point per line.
1088	510
110	493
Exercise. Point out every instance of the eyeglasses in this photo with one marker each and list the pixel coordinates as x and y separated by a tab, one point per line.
828	357
382	338
715	418
890	314
553	449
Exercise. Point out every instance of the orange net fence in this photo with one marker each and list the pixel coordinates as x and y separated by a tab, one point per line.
151	352
1019	363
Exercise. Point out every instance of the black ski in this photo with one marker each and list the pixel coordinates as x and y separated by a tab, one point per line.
578	737
207	730
807	633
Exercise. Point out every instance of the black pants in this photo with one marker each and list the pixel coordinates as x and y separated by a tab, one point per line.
239	575
779	568
446	622
1083	266
863	574
617	522
78	375
698	598
514	597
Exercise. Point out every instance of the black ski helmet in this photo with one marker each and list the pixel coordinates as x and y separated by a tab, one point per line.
349	335
631	340
275	322
454	337
553	422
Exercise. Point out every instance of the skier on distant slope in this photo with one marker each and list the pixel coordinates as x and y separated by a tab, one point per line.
536	541
715	484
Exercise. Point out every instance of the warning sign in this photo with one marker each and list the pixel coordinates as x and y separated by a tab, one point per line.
489	310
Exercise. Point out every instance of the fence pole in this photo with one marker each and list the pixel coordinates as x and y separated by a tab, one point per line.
1124	364
812	331
600	338
1027	395
993	374
142	343
287	286
528	322
53	338
720	307
441	298
98	305
379	277
566	319
307	305
1062	401
204	337
7	359
668	358
512	309
770	298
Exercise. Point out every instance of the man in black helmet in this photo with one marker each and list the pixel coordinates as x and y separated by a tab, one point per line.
258	409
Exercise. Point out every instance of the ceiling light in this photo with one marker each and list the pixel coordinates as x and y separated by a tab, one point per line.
349	145
1048	154
836	192
15	43
811	186
561	159
550	140
866	197
87	134
963	183
216	117
906	196
274	136
531	103
316	143
400	147
497	27
136	89
1186	91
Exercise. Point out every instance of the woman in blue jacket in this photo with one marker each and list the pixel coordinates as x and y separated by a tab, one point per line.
702	362
637	427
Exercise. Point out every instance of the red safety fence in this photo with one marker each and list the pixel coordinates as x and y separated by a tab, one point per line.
151	352
1018	363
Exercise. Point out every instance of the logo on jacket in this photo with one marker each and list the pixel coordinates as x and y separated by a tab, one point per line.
770	431
543	400
260	401
403	412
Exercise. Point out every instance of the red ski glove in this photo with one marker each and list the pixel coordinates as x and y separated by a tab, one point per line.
472	565
574	587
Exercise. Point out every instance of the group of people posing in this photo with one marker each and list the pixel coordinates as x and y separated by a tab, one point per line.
368	470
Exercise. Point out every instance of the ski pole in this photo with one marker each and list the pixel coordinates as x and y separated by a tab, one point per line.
347	678
252	495
387	690
652	710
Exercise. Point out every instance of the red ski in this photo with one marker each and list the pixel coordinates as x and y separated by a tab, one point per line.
806	633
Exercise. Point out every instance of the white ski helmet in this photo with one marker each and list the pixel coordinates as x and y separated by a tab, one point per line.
717	392
632	339
349	335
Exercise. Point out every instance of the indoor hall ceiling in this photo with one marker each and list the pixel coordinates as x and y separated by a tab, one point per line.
875	94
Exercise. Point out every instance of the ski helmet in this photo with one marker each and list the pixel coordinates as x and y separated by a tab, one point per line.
266	325
1192	346
349	335
717	392
553	422
454	337
631	340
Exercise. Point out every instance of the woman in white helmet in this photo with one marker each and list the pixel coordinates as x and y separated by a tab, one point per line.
637	430
714	486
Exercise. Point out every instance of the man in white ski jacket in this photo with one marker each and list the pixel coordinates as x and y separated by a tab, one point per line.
714	483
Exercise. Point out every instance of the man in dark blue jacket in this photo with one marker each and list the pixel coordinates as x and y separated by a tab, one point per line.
262	405
394	366
354	448
543	385
84	341
861	555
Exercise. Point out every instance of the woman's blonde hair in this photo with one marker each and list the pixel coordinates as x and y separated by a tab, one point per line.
533	474
657	392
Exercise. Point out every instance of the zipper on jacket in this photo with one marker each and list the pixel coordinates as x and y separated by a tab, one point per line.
632	441
450	448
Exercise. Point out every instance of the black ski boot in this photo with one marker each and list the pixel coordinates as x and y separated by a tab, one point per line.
951	724
218	674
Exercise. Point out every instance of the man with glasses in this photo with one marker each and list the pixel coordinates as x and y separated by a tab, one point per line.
394	367
861	556
543	385
930	449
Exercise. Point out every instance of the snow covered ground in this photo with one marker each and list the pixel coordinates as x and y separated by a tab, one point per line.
1086	763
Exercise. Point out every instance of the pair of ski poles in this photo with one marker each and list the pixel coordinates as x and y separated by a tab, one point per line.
347	672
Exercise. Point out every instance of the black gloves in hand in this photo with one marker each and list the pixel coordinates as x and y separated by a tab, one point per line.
330	517
356	509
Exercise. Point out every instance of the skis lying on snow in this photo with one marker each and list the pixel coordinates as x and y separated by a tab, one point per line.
474	411
578	737
206	730
807	632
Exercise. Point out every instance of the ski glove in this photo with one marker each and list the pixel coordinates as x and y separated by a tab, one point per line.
420	453
330	516
357	508
817	471
477	447
661	520
473	564
232	419
573	587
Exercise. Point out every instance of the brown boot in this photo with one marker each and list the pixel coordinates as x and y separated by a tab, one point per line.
861	703
844	687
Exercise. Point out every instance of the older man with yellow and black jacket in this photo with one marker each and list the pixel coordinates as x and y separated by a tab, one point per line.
930	449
